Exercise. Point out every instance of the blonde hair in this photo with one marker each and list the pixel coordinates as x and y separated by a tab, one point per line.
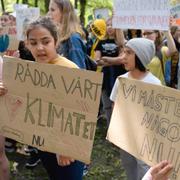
118	34
70	22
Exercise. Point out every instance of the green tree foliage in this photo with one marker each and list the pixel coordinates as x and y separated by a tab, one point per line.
82	10
8	4
90	6
85	7
2	5
93	4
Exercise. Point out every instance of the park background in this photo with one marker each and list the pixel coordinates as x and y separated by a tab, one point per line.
84	8
105	160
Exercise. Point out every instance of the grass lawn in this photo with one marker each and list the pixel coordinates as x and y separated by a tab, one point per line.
105	161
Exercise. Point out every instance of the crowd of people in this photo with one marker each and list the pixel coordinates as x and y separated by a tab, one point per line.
150	56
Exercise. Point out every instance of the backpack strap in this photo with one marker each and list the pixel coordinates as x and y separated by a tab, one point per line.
174	67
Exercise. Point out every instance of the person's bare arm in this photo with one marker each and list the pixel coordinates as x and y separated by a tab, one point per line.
110	61
170	41
98	59
170	44
120	39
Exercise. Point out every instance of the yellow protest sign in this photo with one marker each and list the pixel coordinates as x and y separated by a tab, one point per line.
50	107
146	122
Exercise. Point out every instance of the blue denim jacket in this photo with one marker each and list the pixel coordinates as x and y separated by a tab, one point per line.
74	49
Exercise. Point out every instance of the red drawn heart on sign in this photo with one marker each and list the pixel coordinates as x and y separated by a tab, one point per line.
13	104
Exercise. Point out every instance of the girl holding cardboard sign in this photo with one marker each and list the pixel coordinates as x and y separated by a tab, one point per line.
42	39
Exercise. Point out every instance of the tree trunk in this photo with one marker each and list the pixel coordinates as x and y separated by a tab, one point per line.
82	11
25	1
36	3
47	5
76	4
2	5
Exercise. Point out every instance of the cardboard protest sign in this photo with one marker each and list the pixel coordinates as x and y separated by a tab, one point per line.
50	107
175	11
141	14
23	17
102	13
146	122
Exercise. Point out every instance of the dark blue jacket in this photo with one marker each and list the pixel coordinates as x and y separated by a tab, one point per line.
74	49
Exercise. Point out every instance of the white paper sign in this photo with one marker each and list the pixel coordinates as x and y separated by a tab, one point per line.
19	6
23	18
141	14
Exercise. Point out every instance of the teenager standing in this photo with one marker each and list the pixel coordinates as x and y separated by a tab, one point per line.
71	43
137	54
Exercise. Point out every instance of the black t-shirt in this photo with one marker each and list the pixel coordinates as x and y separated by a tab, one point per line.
109	48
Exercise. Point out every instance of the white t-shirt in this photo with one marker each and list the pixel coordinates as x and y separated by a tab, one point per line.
149	78
148	175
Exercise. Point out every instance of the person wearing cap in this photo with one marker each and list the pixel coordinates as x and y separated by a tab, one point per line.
136	55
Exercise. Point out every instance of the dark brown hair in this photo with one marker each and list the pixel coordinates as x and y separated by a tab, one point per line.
46	23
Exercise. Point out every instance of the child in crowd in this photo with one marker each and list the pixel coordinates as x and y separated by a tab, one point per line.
137	54
42	39
71	42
